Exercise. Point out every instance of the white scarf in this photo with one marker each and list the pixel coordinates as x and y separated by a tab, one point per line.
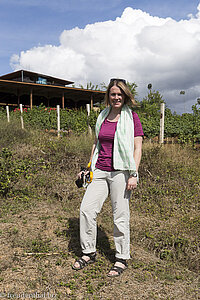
123	141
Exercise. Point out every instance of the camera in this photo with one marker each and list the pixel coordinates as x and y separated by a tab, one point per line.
85	178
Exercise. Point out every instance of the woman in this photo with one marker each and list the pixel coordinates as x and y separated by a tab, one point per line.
115	159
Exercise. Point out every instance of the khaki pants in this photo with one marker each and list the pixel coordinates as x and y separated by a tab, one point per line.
102	184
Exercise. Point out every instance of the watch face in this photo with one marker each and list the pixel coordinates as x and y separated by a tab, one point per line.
134	174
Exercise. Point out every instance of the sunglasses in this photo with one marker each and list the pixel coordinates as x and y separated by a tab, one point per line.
118	79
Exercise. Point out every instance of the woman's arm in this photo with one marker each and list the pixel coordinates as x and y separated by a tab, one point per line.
137	150
132	181
91	155
93	148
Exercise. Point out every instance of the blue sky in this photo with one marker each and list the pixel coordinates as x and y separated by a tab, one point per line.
34	24
28	23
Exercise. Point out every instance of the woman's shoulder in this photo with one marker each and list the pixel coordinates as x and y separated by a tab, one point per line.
135	115
104	111
137	125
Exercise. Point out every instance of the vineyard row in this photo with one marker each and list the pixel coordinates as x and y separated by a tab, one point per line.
185	127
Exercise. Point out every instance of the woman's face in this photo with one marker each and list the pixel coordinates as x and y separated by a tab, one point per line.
116	97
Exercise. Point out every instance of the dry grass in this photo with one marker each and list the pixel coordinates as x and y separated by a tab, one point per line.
39	224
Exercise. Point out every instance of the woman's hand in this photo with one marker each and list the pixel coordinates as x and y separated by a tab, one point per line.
132	183
80	173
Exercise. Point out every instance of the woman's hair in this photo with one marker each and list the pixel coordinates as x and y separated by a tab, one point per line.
121	83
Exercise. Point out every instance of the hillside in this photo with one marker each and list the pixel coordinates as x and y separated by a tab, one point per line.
39	222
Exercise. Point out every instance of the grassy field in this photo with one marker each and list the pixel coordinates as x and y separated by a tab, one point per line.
39	222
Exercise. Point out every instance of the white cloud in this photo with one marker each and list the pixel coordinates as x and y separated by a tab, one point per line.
59	61
136	46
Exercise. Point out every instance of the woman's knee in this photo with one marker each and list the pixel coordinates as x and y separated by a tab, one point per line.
86	211
121	217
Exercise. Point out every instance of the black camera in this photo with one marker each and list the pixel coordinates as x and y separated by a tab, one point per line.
85	178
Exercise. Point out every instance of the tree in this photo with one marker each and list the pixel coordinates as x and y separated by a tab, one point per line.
150	105
90	86
132	87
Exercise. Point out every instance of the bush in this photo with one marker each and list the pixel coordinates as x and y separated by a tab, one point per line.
9	171
185	127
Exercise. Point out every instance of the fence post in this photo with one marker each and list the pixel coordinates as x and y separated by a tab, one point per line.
7	111
58	119
88	113
22	121
162	123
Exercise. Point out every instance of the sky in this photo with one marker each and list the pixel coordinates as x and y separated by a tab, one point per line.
142	41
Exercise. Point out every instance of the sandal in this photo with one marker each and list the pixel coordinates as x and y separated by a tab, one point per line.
83	263
118	269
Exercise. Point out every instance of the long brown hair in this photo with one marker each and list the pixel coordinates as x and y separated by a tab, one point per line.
129	98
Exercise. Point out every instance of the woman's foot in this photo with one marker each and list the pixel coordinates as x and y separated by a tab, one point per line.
118	268
85	260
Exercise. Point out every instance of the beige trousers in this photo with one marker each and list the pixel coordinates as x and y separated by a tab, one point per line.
98	190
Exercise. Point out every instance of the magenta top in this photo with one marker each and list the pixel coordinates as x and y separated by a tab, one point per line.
106	139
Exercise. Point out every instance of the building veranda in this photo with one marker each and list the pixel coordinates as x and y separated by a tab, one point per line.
32	89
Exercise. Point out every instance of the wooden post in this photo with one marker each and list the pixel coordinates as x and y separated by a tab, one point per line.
63	100
88	109
7	111
88	114
22	121
91	102
58	119
162	122
31	99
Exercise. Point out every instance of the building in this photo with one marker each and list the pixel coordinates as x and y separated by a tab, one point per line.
32	89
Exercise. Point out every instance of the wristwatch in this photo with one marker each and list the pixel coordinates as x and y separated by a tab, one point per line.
134	174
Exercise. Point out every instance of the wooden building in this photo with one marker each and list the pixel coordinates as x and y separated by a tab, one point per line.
32	89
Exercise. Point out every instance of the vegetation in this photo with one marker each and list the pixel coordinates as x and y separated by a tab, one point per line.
39	220
185	128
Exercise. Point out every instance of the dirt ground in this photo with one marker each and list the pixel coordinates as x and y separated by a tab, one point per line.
39	226
39	245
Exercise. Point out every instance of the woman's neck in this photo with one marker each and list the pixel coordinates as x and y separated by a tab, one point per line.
114	115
